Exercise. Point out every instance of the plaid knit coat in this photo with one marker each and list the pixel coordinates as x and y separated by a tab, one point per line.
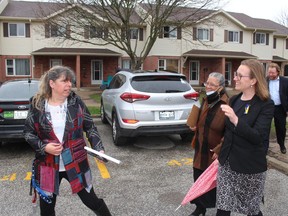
38	132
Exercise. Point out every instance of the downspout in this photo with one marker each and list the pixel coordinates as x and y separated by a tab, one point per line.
252	40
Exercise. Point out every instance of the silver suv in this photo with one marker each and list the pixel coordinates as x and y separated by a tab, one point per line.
147	103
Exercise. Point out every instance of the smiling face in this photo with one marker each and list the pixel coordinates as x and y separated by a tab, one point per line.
242	78
212	84
61	87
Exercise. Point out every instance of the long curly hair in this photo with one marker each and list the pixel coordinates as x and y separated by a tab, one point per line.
45	90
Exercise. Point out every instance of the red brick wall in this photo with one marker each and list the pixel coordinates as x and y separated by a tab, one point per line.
42	64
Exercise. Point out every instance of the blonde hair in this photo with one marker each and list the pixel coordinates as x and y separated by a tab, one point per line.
257	72
45	91
276	66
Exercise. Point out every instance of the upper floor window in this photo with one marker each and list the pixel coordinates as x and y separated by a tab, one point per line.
169	32
134	33
233	36
203	34
55	30
274	43
95	32
16	29
261	38
18	67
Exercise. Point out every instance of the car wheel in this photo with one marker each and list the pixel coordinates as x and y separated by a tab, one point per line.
116	134
187	137
102	114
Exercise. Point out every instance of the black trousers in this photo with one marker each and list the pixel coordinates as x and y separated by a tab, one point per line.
89	199
280	124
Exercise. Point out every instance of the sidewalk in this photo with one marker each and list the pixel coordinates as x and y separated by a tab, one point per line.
275	158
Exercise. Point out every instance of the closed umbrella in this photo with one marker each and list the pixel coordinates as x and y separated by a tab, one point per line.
205	183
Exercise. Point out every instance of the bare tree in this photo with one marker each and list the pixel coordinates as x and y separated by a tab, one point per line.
116	22
283	18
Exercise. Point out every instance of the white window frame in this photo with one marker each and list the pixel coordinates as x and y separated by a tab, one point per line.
228	72
170	32
134	33
99	70
55	62
162	64
14	65
233	36
126	63
20	29
203	34
196	71
260	38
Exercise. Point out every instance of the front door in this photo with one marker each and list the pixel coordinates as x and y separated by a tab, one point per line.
96	71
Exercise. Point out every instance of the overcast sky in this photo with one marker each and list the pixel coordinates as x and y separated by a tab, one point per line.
258	8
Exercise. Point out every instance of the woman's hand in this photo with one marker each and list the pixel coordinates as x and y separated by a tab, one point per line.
229	112
54	148
193	128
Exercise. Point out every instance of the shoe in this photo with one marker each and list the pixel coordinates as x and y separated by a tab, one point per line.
283	150
198	211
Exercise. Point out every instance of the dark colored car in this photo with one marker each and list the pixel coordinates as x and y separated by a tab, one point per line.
14	106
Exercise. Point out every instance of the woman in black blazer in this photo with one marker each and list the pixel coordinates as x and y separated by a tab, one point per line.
242	170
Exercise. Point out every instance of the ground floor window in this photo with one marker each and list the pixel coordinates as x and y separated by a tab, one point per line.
55	62
168	65
18	67
126	64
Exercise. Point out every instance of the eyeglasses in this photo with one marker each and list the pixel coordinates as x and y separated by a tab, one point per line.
210	84
239	76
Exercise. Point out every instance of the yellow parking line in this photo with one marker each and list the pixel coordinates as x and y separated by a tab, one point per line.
103	169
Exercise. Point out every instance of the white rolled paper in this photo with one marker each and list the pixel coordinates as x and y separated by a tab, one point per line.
102	155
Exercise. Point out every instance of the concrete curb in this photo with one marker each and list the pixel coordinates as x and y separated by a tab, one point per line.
277	164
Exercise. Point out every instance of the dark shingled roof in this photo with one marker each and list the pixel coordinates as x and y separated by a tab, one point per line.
279	59
75	51
218	53
260	24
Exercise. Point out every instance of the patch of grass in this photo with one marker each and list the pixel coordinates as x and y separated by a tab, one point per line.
94	110
96	97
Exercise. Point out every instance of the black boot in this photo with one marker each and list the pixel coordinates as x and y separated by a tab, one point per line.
103	209
198	211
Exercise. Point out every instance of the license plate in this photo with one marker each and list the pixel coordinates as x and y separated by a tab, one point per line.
8	114
166	115
20	114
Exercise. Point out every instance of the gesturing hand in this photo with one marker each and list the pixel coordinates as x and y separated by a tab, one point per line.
229	112
54	148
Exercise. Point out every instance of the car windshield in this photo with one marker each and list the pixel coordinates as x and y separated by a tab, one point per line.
160	84
18	90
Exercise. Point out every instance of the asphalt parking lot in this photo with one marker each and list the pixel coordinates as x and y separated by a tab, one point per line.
152	179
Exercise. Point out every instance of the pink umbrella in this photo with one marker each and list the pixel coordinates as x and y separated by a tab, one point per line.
205	183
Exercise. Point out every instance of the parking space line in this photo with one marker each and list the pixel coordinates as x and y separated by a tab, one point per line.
28	176
103	169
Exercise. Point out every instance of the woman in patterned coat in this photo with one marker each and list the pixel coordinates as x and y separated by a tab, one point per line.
54	128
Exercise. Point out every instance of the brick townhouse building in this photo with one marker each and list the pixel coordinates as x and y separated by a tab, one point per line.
28	47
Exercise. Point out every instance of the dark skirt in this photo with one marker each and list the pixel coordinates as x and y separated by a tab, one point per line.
207	200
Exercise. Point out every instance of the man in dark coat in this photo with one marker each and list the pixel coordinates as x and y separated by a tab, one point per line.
278	88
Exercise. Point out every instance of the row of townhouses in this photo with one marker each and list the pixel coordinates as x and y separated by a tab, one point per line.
28	47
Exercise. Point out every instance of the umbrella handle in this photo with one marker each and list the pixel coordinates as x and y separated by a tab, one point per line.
177	208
